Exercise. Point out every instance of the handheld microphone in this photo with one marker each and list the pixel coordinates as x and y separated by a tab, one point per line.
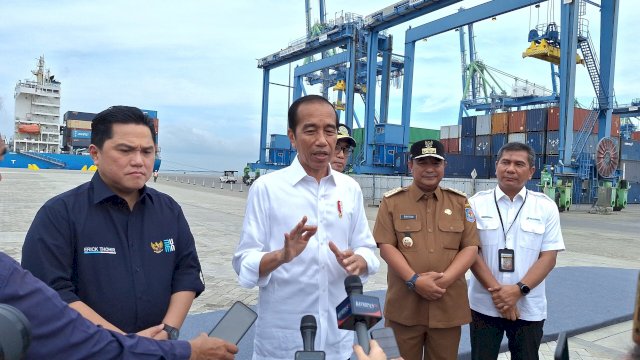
358	312
308	329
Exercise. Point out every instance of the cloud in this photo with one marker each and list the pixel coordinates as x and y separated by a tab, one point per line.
195	63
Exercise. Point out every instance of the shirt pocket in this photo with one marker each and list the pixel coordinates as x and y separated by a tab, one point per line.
532	231
407	228
451	232
489	229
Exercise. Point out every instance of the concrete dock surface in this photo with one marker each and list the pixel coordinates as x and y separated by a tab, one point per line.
215	213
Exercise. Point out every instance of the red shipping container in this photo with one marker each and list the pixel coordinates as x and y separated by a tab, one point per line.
635	135
156	123
445	144
553	119
454	145
580	116
517	121
500	123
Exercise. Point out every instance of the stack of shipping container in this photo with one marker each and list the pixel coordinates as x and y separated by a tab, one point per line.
77	128
482	136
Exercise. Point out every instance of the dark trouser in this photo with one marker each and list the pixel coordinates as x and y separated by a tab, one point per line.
487	333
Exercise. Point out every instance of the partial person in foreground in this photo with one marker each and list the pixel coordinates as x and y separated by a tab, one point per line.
304	232
59	332
117	251
344	148
427	236
520	235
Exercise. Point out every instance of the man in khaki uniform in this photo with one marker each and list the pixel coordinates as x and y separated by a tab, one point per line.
428	237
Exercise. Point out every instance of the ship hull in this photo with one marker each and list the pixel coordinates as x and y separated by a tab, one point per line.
52	161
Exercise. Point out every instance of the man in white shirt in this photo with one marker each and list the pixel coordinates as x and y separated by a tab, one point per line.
304	232
520	236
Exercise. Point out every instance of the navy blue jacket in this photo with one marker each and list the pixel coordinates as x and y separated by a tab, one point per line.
125	264
59	332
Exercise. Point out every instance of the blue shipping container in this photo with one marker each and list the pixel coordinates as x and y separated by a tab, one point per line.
81	134
630	150
539	164
633	196
80	142
483	145
461	166
537	119
552	160
497	141
468	145
151	114
469	126
537	141
553	141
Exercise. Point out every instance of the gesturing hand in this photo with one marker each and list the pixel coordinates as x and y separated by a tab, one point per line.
297	239
354	264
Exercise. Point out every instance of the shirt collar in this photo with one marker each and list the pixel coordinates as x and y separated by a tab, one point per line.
297	172
500	194
102	192
416	194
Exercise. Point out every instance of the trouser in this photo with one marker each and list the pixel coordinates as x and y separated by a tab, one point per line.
438	344
487	332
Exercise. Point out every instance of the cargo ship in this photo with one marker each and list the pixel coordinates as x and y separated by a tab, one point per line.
40	140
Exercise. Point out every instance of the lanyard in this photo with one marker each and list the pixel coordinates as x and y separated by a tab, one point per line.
495	199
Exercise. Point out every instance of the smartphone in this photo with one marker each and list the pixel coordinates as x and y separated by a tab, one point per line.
234	323
386	338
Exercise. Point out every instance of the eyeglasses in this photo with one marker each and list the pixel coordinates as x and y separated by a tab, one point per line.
347	150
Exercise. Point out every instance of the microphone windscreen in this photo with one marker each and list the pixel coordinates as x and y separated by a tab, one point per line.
353	285
308	322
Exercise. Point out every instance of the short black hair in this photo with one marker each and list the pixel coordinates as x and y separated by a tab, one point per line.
293	109
518	146
102	124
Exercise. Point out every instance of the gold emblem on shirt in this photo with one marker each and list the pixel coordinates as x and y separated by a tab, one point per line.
447	211
157	247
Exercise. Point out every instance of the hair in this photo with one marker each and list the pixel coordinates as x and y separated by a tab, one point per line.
518	146
293	109
102	124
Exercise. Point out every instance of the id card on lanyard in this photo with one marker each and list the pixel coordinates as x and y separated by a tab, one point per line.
506	256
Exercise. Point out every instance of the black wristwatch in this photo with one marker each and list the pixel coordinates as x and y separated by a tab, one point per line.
411	283
524	289
174	333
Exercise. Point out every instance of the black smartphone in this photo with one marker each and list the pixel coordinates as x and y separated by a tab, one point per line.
234	323
386	338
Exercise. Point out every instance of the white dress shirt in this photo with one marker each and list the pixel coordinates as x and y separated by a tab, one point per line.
536	229
313	282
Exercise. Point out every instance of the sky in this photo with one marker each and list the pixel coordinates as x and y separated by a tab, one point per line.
195	63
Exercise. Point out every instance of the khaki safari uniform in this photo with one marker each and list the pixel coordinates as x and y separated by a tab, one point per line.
429	229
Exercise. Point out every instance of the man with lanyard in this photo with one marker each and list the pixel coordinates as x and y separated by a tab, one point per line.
520	237
304	232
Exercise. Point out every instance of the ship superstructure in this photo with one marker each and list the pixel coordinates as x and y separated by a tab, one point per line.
37	113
